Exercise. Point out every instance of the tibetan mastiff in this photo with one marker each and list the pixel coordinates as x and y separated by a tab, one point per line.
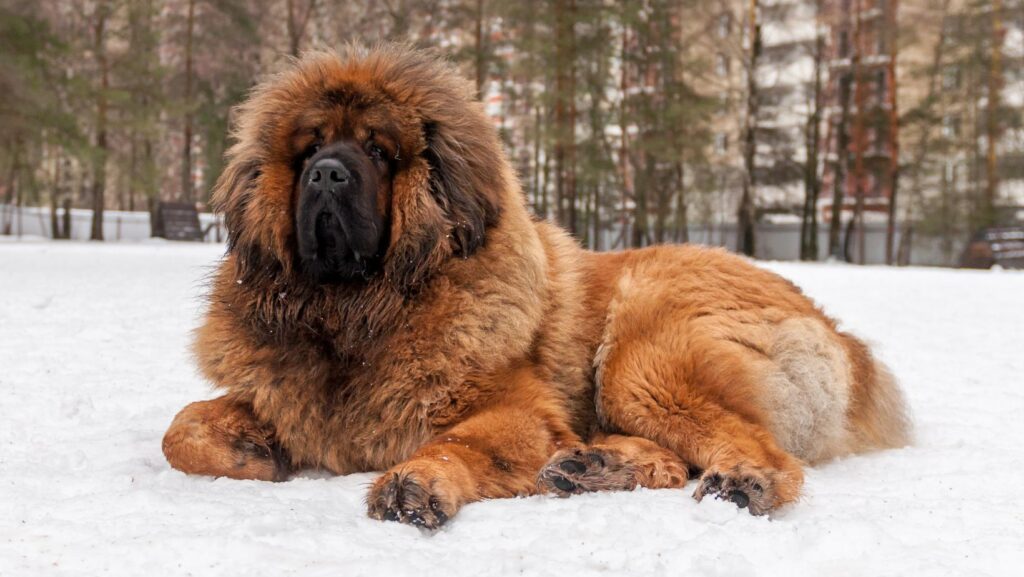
387	303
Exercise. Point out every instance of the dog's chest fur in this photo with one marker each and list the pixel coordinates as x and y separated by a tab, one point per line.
360	418
367	404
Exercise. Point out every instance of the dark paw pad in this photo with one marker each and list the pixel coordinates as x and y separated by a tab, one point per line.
402	498
747	490
574	471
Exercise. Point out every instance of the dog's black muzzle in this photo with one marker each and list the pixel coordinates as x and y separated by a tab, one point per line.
339	228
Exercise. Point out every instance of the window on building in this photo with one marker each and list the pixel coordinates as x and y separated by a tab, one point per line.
724	25
845	82
844	43
876	186
721	142
880	78
722	65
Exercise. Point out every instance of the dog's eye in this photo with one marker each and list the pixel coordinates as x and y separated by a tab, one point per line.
376	152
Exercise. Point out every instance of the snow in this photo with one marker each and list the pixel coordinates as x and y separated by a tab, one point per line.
94	364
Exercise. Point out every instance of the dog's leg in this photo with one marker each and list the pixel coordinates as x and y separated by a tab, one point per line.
222	438
612	463
496	452
740	458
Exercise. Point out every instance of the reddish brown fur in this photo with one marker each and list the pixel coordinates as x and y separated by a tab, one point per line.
219	437
491	343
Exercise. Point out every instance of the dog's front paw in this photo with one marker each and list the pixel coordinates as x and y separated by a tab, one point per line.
409	495
760	490
585	469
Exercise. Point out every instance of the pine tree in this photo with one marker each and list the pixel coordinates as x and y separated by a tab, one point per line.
746	214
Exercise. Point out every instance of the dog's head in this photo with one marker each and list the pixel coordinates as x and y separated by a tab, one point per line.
369	162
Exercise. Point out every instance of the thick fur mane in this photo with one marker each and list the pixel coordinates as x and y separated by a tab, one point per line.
451	180
336	318
450	176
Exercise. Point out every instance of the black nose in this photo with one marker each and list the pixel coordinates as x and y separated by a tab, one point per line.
328	175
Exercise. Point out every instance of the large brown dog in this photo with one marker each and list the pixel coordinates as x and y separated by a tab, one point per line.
387	303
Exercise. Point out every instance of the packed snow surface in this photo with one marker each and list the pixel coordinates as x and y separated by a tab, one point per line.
94	363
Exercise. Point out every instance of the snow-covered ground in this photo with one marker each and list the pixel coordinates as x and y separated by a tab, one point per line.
94	364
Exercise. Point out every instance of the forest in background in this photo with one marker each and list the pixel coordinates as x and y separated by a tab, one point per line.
627	121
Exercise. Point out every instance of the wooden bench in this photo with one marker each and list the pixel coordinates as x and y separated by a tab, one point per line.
1003	246
179	221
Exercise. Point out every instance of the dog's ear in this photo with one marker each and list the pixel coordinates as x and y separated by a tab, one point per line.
232	193
465	184
443	206
418	228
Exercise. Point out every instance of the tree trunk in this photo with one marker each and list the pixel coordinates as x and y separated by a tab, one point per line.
746	216
99	168
186	148
993	132
812	183
665	188
293	33
585	229
297	25
924	142
859	133
571	180
639	237
7	216
152	192
66	218
894	131
538	204
545	185
560	110
479	55
840	183
565	115
682	232
848	240
133	171
971	141
55	231
18	204
624	163
661	213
